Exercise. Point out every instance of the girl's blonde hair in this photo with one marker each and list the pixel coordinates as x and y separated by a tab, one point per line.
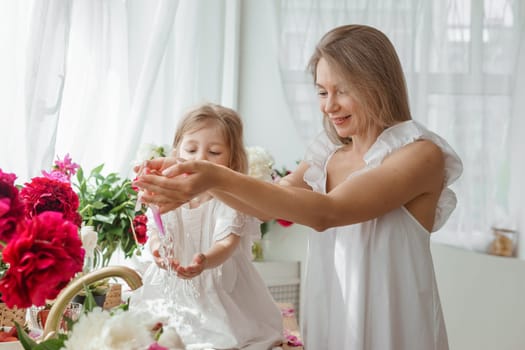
227	120
368	61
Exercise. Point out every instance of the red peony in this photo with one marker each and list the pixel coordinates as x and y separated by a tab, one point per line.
284	223
11	209
140	226
43	257
46	194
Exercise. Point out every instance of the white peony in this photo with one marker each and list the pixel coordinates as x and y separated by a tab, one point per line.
118	330
149	151
86	332
128	330
260	163
170	339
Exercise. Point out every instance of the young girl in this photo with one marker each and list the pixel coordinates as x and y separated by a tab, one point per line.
218	299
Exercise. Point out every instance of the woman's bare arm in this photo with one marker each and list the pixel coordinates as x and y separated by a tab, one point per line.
408	173
294	179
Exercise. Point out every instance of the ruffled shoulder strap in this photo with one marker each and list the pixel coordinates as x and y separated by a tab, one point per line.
229	221
317	154
407	132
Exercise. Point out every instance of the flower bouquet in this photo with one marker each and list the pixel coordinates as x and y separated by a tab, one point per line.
110	222
107	204
41	250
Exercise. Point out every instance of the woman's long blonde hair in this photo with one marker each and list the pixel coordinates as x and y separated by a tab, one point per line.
227	120
368	61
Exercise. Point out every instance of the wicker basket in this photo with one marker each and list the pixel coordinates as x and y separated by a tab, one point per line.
8	316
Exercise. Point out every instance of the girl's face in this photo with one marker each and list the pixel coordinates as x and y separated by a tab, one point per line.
205	143
335	100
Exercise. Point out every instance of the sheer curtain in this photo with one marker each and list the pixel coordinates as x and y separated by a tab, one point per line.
34	43
460	58
96	79
199	64
96	99
14	24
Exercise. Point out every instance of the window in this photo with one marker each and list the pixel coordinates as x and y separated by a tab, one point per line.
460	59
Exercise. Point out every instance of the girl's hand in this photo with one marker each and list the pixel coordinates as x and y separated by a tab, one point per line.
197	266
161	262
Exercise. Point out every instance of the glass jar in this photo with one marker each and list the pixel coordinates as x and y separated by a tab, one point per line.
504	242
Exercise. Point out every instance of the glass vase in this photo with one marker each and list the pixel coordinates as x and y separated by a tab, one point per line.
257	250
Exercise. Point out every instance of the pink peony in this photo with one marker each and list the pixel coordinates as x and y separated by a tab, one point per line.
62	169
43	257
66	167
56	175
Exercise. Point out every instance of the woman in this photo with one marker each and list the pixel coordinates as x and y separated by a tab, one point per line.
374	184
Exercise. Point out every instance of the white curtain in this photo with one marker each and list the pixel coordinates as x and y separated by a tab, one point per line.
199	64
14	23
461	59
96	79
34	43
96	100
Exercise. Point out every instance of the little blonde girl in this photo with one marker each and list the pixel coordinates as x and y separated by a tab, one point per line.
218	300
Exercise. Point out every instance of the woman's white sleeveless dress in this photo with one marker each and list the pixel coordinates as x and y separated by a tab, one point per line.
371	286
228	307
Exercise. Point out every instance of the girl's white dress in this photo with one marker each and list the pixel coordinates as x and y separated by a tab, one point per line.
228	307
371	286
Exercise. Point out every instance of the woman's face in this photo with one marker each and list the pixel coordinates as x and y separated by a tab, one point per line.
335	100
205	143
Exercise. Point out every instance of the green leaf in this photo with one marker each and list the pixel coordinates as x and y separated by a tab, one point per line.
108	219
97	170
50	344
265	227
89	301
119	207
119	192
27	342
98	205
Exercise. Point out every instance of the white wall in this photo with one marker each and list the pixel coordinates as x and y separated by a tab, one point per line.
268	123
482	298
263	107
262	102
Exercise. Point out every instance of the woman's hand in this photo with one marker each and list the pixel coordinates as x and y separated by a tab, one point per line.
156	164
169	183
